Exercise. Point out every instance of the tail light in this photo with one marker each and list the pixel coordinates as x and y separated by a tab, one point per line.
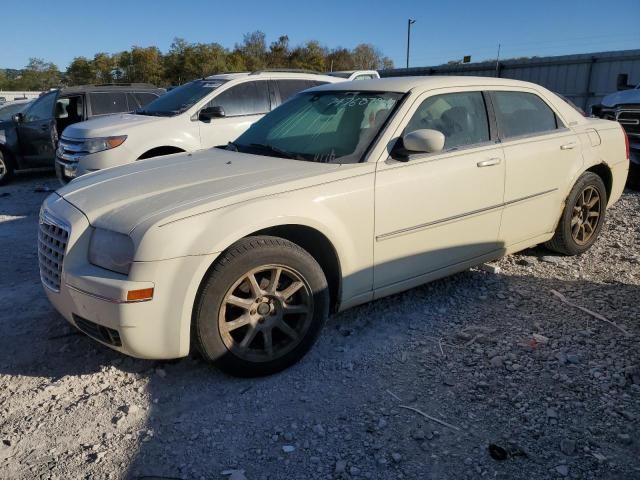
626	144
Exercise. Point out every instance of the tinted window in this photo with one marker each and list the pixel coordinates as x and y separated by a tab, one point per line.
104	103
520	113
288	88
144	98
42	109
248	98
461	117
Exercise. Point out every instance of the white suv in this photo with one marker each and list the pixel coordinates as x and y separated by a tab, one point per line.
201	114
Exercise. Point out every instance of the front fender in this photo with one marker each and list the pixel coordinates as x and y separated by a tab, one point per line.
342	211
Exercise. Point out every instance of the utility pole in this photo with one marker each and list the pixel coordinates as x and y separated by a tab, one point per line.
498	62
409	23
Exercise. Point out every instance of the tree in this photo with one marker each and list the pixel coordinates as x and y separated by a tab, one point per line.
81	71
366	57
278	56
186	61
103	65
309	57
146	65
254	50
340	59
40	75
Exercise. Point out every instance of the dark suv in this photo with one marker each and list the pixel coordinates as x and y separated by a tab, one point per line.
30	137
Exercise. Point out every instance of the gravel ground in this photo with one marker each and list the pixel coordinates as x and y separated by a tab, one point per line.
492	355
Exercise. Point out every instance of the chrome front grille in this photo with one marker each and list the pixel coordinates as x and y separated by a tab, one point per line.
70	150
52	245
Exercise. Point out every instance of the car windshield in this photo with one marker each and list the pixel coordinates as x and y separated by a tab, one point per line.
7	111
180	98
340	74
325	127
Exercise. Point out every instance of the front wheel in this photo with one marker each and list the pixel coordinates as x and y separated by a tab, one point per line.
261	307
582	217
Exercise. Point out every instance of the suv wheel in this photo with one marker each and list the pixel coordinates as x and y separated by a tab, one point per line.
261	308
6	168
582	217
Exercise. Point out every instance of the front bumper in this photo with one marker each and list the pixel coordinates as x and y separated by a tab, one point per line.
95	300
71	164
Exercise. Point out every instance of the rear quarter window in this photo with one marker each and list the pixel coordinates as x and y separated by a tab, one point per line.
105	103
289	88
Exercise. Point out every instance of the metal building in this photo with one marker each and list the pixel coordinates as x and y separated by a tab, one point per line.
584	78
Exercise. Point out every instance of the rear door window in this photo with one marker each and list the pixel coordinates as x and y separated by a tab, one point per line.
105	103
248	98
522	113
289	88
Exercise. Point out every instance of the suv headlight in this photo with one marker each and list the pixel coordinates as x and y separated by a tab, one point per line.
111	250
93	145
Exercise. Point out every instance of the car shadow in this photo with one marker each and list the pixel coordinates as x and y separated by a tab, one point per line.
198	422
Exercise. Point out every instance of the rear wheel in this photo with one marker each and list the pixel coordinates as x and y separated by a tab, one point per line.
582	217
261	308
6	168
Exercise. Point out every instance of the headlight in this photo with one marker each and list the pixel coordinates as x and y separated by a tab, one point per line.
111	250
93	145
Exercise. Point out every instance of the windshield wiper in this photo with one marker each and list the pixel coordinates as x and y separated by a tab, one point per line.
275	150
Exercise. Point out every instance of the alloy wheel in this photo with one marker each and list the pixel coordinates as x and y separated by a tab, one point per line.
266	313
586	215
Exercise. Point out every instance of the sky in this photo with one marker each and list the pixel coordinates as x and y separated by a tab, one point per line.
444	30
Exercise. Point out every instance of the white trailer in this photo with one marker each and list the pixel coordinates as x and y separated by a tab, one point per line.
9	96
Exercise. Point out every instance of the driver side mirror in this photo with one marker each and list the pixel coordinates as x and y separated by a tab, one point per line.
209	113
18	117
424	140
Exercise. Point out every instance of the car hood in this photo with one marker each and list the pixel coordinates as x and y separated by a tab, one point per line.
117	124
622	97
172	187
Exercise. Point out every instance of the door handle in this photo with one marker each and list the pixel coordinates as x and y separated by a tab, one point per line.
489	163
568	146
44	128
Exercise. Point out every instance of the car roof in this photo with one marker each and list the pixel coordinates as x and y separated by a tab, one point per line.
111	87
406	84
351	72
274	74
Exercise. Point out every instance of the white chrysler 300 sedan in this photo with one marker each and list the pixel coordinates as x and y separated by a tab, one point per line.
346	193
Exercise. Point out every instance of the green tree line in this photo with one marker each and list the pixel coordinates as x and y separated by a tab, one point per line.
185	61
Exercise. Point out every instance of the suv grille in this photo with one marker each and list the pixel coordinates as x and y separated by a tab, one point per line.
69	150
627	116
52	244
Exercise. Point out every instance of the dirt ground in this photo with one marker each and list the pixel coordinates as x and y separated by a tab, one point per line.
427	384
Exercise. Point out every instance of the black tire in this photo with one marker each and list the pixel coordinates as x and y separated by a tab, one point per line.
6	168
226	278
563	240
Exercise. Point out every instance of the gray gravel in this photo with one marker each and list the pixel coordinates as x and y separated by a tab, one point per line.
491	355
